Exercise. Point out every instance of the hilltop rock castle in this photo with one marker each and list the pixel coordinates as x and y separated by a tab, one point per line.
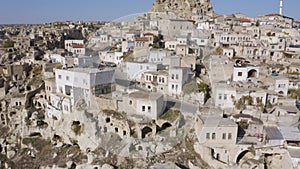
183	8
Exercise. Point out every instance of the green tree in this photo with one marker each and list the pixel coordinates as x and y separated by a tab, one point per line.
8	44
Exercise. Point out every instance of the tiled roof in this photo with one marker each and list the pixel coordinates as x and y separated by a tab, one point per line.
244	20
77	45
142	39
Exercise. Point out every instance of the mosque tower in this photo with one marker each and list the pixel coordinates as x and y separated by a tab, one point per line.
280	7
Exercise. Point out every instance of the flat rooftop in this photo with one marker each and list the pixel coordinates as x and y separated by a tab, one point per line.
217	121
88	70
273	133
145	95
290	133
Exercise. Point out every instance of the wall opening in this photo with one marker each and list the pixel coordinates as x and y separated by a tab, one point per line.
252	73
241	155
146	131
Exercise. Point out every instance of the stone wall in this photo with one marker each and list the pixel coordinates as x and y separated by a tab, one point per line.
184	9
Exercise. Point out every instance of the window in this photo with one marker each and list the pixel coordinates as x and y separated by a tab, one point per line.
149	109
130	102
143	108
59	76
207	136
172	86
240	73
220	96
225	96
229	136
213	136
224	136
172	76
66	108
67	78
176	76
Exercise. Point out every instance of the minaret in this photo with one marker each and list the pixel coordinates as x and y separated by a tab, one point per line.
280	7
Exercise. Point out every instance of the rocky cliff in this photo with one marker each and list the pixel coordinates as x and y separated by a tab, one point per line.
183	8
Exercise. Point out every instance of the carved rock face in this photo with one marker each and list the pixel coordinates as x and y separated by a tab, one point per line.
183	8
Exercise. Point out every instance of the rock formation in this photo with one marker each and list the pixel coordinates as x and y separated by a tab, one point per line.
183	8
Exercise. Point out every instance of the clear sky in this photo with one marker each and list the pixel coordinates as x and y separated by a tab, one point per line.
42	11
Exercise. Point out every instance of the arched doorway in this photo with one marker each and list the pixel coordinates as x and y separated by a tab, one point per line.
252	73
241	155
163	127
146	131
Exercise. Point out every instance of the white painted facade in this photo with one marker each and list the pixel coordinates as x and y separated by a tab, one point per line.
157	56
114	57
245	73
145	104
135	70
78	85
178	76
224	96
281	86
69	43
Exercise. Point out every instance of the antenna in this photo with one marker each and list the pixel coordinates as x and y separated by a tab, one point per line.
280	7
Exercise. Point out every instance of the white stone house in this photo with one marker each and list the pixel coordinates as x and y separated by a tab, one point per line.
102	38
203	25
135	70
50	87
294	84
77	49
83	61
145	104
258	95
127	46
229	52
171	44
245	22
178	76
245	72
157	55
280	85
216	130
224	95
182	40
155	81
114	57
69	44
76	87
233	39
217	137
57	58
200	40
141	46
172	61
